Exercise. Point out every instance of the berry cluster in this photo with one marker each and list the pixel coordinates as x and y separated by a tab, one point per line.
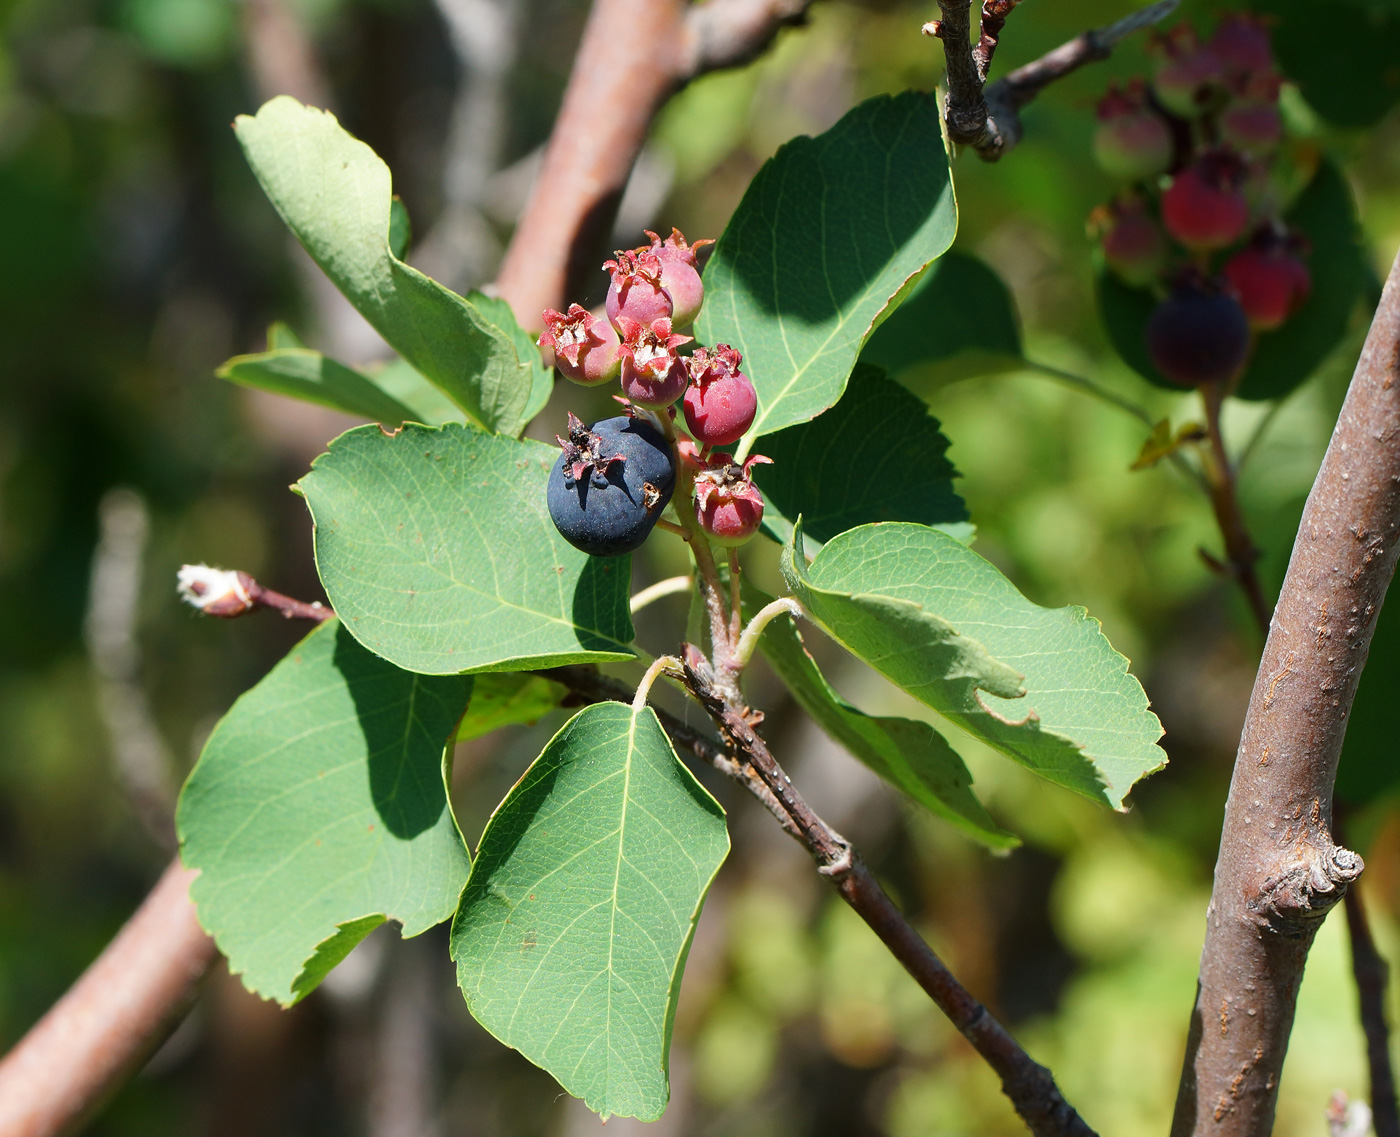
1200	219
613	479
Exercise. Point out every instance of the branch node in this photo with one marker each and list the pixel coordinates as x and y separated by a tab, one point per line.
1294	902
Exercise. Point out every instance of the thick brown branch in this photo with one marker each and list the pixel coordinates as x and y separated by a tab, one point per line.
1030	1086
1279	870
1372	977
989	120
111	1019
634	55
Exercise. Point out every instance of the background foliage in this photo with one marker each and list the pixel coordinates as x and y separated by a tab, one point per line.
138	253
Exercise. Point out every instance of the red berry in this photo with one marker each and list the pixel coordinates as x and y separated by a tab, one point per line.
720	402
1203	208
1241	44
1254	127
586	349
1190	79
1134	246
1270	282
636	291
727	503
1197	335
680	274
653	375
1131	141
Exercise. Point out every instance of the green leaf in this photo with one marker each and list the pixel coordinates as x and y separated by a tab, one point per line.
400	228
1281	360
541	377
910	755
436	549
574	927
318	809
508	699
333	192
429	404
959	322
1368	769
877	455
300	373
1042	685
827	236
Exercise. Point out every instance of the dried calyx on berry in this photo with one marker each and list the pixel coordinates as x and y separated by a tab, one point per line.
1190	78
610	484
586	348
728	505
636	292
1269	277
1134	246
653	374
1204	208
1198	334
680	274
1132	141
720	402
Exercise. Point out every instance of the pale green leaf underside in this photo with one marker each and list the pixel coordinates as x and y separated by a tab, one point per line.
1042	685
910	755
436	549
508	698
318	809
301	373
334	193
573	929
827	234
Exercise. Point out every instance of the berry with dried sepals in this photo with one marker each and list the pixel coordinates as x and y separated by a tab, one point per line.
1253	127
727	503
586	348
653	374
1204	208
680	274
1131	141
1134	246
1241	45
610	484
720	402
1199	334
636	292
1269	278
1190	79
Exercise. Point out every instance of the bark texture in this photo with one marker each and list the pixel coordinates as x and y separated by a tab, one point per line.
1279	870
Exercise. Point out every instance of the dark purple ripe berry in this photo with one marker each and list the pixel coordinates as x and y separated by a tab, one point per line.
610	484
1199	334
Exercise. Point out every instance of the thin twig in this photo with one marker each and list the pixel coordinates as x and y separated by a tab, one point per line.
1372	977
988	119
1030	1086
1280	870
1241	554
110	1019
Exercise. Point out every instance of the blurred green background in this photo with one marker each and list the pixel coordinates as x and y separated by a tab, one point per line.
137	253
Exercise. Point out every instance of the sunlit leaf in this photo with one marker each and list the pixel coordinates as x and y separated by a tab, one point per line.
318	809
574	927
509	698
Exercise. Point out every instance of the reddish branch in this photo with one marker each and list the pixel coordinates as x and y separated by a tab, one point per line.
634	55
111	1019
1279	870
988	118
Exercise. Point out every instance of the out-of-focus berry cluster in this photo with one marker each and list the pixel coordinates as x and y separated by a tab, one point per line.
655	292
1199	220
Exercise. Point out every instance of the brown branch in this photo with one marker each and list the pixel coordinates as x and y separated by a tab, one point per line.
634	55
231	593
1372	977
989	119
111	1019
1030	1086
1279	870
1241	554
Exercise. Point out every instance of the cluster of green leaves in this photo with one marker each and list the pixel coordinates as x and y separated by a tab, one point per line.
319	808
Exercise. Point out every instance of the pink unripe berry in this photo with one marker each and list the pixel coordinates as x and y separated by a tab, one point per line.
728	505
1241	44
586	349
1190	79
1134	246
1131	141
1270	282
1203	208
1254	127
653	375
680	274
720	402
636	291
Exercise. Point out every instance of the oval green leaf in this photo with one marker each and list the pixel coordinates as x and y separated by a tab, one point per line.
574	926
436	549
318	809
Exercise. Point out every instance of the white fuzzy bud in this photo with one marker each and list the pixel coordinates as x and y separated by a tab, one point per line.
215	592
